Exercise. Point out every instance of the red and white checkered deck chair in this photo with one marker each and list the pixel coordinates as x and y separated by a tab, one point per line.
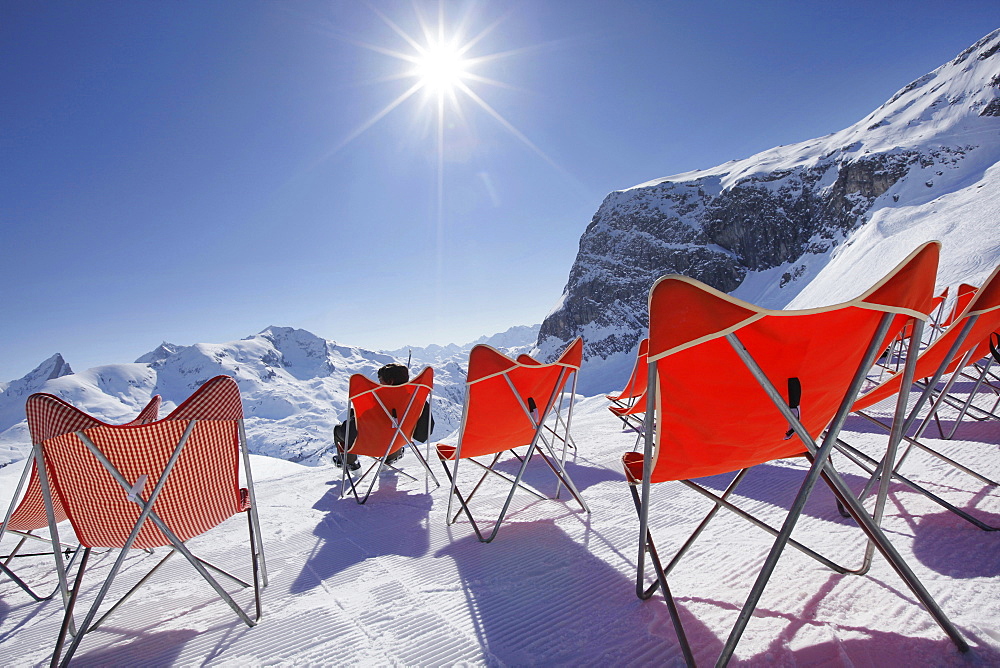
385	417
47	416
705	427
154	485
506	407
965	341
629	405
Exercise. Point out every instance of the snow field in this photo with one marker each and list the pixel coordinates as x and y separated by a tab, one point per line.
389	583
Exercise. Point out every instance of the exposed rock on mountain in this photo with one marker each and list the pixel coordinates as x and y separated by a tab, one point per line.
763	227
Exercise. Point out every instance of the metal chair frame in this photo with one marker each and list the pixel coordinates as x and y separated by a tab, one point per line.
819	454
133	493
348	481
540	444
148	413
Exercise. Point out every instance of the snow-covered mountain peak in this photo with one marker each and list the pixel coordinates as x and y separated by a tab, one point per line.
53	367
161	352
293	384
944	107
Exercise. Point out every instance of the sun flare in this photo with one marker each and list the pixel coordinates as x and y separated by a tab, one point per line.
440	67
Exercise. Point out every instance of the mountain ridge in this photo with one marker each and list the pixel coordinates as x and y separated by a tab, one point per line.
764	227
293	384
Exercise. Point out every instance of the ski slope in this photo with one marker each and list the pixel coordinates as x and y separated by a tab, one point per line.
389	583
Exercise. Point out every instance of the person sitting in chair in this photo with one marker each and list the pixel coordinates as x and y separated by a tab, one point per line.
390	374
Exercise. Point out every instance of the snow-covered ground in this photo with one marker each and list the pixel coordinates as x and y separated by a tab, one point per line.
389	583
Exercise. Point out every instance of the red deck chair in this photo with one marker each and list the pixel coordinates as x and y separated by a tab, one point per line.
941	319
636	385
895	355
385	417
153	485
507	404
46	418
963	296
937	309
978	370
629	405
966	340
703	427
562	414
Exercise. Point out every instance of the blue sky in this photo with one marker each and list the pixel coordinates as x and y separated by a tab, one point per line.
193	172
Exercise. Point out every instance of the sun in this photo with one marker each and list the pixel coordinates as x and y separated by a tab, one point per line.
441	67
439	62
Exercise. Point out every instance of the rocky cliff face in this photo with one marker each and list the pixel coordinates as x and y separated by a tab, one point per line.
780	213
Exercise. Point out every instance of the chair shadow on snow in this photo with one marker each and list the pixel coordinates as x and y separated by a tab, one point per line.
853	644
893	649
970	430
971	553
875	648
778	485
540	476
538	597
392	522
150	649
24	614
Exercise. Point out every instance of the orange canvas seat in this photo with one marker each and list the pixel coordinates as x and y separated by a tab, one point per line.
636	385
507	404
963	295
560	417
893	358
964	341
153	485
385	418
629	405
790	376
26	514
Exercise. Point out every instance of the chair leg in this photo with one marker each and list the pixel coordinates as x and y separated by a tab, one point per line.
561	475
68	616
878	537
198	566
503	512
462	502
488	470
6	570
708	518
661	582
641	591
256	558
423	462
131	591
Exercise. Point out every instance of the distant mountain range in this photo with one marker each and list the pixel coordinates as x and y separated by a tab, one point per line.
765	227
293	384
